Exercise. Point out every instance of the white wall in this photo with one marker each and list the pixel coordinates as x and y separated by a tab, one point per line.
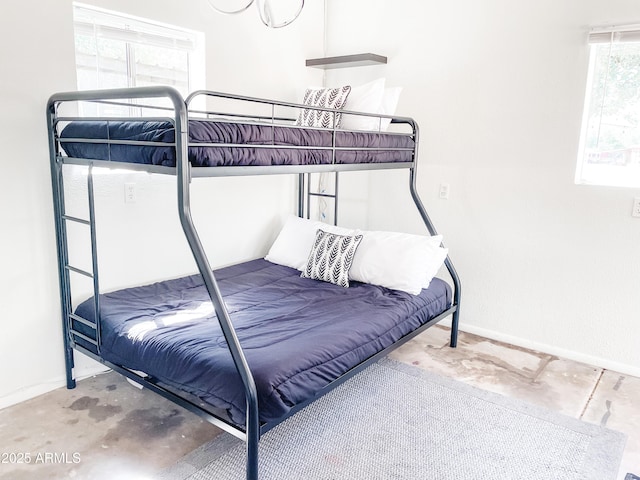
37	59
497	88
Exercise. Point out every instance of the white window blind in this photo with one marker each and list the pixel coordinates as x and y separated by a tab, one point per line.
610	139
114	50
166	38
629	33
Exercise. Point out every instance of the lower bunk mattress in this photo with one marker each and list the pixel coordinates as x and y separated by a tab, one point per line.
241	144
297	334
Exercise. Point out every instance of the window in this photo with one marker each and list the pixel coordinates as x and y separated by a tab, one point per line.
610	140
114	50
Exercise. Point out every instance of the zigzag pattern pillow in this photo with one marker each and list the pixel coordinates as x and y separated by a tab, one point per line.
331	257
326	98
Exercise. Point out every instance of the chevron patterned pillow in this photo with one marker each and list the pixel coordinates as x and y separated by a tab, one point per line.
333	98
331	257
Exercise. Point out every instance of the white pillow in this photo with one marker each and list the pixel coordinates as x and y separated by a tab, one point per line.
294	242
364	98
389	104
434	263
399	261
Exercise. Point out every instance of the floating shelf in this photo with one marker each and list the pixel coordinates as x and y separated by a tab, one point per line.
358	60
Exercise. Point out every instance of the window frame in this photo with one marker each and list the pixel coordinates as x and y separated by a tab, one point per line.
627	175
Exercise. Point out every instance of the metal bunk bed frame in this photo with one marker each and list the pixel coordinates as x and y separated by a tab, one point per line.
184	172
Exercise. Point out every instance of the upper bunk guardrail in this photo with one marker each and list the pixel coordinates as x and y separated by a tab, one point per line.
109	97
297	106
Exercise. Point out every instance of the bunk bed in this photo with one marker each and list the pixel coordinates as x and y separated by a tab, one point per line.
257	341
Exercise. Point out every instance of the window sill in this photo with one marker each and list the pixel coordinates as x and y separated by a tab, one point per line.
609	176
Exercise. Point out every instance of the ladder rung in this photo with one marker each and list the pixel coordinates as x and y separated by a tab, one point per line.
322	195
76	219
84	321
84	337
77	270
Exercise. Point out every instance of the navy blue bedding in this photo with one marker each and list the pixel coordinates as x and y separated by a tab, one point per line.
298	334
247	135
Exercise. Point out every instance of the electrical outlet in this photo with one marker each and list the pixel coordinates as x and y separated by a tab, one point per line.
130	194
636	207
443	193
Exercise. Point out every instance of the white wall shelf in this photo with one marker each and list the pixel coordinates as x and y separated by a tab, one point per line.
357	60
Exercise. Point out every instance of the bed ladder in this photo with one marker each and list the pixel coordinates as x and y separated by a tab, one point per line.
320	195
65	268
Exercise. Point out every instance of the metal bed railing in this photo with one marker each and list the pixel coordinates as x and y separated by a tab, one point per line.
178	115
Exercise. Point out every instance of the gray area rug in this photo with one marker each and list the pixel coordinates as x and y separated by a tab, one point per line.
394	421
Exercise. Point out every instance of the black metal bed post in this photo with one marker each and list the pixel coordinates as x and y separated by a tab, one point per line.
184	207
301	195
61	241
432	230
94	257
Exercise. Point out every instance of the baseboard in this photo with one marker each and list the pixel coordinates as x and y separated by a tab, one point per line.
552	350
27	393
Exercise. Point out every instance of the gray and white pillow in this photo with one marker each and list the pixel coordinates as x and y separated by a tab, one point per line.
331	257
333	98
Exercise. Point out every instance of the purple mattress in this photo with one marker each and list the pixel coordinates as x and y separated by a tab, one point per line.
248	137
298	334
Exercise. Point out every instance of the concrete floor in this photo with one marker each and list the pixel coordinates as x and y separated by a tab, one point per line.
108	429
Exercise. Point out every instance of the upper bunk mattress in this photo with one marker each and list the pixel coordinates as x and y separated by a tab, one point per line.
297	334
248	139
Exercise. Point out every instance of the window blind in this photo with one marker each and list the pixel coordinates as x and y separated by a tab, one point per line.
629	33
93	22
